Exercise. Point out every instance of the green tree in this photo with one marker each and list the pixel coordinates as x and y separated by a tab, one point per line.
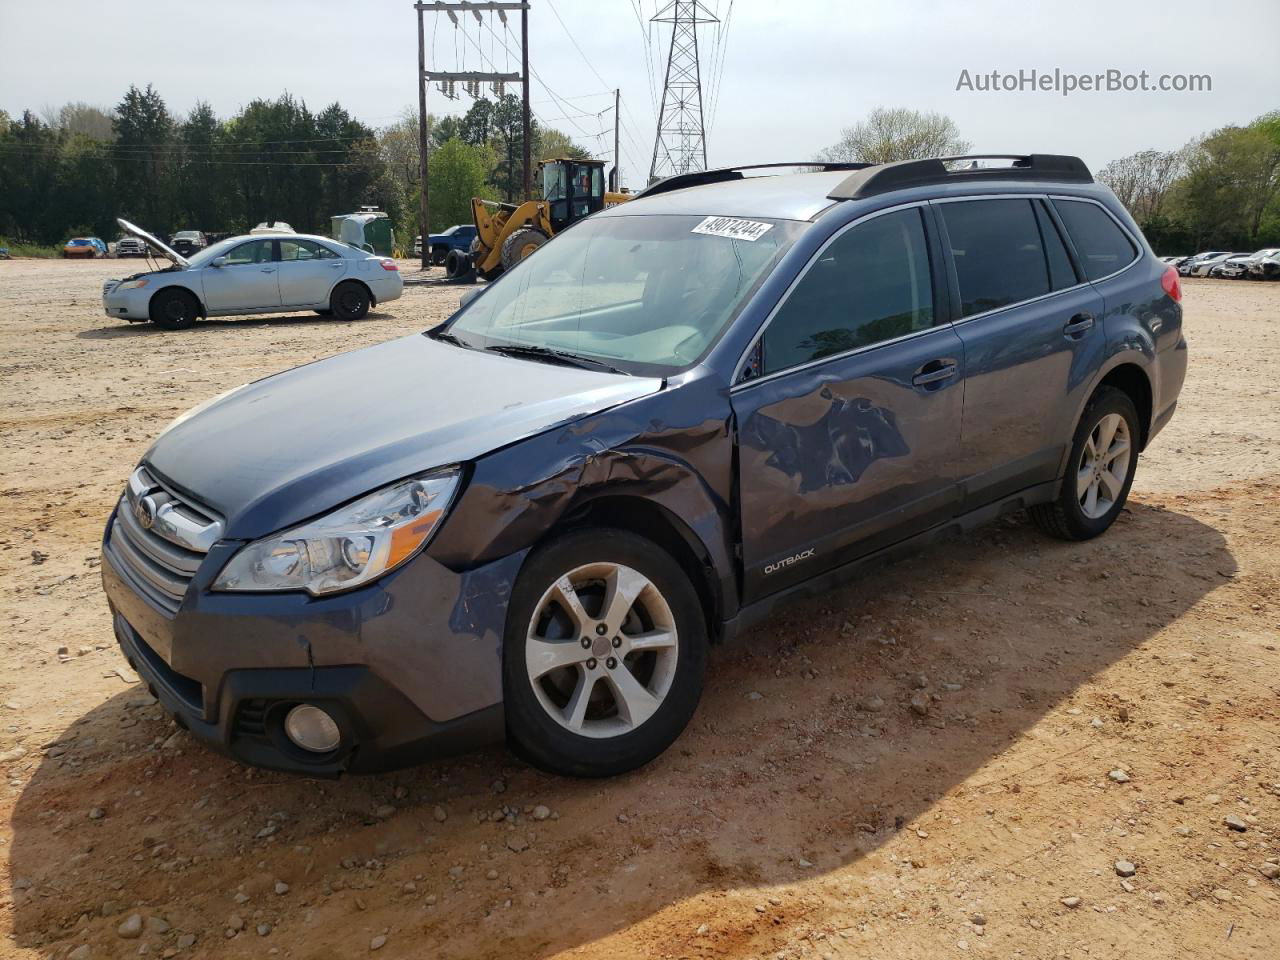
551	143
477	126
1233	179
457	173
508	143
203	182
144	158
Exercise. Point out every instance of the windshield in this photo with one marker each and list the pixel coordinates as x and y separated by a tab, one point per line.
646	294
186	235
204	256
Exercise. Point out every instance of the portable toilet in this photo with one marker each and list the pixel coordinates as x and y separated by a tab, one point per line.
370	229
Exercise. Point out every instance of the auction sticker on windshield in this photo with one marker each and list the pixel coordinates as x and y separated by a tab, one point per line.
732	228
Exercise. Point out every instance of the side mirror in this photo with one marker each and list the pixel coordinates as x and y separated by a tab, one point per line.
469	296
218	262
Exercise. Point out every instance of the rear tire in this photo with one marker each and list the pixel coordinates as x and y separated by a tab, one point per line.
349	301
174	309
623	698
522	243
1100	470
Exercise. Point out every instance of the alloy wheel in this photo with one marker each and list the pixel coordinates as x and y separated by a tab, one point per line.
601	650
1104	466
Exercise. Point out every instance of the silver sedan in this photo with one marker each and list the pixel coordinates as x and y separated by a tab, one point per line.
270	273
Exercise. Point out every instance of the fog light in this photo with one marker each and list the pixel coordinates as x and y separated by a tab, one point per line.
312	729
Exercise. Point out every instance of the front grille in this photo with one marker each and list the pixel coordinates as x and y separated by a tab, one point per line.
158	540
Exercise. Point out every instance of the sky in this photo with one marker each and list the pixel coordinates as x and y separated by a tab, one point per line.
781	79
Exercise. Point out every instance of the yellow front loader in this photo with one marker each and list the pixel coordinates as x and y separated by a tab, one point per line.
506	233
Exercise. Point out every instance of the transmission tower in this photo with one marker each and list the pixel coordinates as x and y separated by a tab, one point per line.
681	142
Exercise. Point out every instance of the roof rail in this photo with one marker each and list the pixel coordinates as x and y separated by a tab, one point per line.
913	173
700	178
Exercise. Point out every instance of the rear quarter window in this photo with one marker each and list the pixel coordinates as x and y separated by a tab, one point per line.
1102	246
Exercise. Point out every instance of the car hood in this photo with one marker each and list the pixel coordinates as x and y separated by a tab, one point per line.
289	447
152	241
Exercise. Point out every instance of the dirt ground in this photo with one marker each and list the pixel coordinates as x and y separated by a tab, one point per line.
1090	703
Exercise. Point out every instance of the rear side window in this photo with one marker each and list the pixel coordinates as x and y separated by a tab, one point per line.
998	252
871	284
1103	247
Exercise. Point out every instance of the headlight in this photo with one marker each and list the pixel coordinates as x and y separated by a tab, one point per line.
348	547
132	284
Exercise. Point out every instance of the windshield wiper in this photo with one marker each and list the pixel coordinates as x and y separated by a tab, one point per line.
535	352
445	336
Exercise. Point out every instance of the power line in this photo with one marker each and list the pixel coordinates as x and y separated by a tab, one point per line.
569	34
719	80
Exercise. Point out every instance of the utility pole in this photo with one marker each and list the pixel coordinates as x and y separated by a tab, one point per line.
423	218
680	145
469	78
524	83
617	126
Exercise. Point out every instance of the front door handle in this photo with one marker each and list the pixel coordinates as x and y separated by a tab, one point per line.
268	269
934	373
336	266
1078	325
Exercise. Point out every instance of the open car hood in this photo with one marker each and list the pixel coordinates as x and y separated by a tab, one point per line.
153	242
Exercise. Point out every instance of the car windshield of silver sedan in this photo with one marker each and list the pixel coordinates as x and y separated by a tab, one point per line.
647	294
205	256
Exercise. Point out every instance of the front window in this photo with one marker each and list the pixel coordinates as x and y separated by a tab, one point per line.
553	181
255	251
208	254
647	294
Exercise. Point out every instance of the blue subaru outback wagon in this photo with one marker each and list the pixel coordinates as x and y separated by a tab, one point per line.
533	521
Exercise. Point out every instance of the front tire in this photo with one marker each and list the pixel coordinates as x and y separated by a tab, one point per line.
522	243
174	309
349	301
604	654
1100	470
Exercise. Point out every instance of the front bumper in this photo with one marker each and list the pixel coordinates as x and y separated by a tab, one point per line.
131	304
409	667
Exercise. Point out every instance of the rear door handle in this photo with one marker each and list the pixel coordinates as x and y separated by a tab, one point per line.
1078	325
935	372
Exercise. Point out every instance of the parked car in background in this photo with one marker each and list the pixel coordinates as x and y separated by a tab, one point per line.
1265	267
1258	256
264	274
1202	266
88	247
457	237
130	247
1189	264
1231	268
1173	261
187	242
534	520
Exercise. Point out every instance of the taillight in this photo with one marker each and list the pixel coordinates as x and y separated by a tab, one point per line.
390	265
1172	284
